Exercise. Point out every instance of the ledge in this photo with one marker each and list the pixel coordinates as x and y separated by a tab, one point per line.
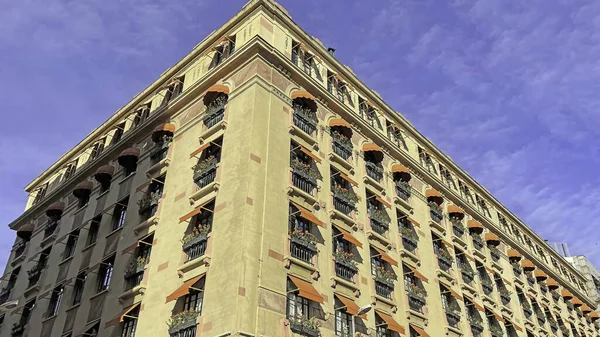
193	264
153	220
103	193
155	170
88	247
438	227
374	183
294	130
481	255
459	241
126	178
496	266
334	213
137	290
380	238
105	291
19	258
469	289
66	260
412	258
352	286
114	232
417	317
73	307
387	301
506	310
293	190
445	276
44	320
288	260
450	331
343	163
206	190
489	300
33	289
222	125
50	238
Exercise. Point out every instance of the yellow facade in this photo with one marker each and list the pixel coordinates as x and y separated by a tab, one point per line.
243	176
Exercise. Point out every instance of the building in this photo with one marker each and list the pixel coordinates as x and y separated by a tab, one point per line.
562	248
591	274
258	188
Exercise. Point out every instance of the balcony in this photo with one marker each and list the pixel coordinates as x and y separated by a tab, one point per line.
303	246
453	315
504	296
436	212
478	243
304	176
305	119
345	265
50	228
215	117
380	221
134	273
476	324
205	172
20	249
149	204
344	200
487	286
342	145
495	253
416	297
444	259
183	324
160	150
18	329
374	170
403	190
467	274
555	296
384	282
194	244
304	326
457	228
5	294
34	274
410	239
496	330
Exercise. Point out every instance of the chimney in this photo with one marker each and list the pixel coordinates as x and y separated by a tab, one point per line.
331	51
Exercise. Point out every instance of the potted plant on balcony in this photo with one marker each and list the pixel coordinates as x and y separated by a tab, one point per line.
342	141
416	292
305	171
555	295
374	170
409	234
305	115
304	238
204	167
504	294
495	253
147	202
136	266
453	312
215	111
445	257
199	234
517	268
496	330
183	320
403	189
384	276
477	241
436	212
346	259
526	308
457	226
475	321
467	272
344	195
306	325
35	271
487	285
380	216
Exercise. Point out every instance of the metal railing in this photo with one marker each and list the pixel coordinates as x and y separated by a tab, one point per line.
50	229
383	290
196	250
159	153
344	272
214	119
207	178
415	303
304	124
378	227
301	252
341	150
134	280
303	184
341	206
409	245
187	332
374	171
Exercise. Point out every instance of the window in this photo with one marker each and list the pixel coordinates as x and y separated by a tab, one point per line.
297	306
93	331
343	320
70	170
447	176
55	300
97	149
105	273
465	192
482	205
130	323
120	213
120	128
426	160
193	300
330	81
78	288
381	327
40	193
71	244
93	231
26	313
141	115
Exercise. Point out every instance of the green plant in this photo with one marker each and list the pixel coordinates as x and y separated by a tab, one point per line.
306	322
182	318
344	193
384	275
445	255
136	265
380	216
204	165
304	168
201	230
339	138
416	291
496	330
345	257
453	307
305	236
409	233
150	200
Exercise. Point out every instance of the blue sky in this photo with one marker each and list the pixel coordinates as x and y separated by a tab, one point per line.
508	89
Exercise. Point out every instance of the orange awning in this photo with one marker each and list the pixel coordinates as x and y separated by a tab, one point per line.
190	214
310	154
455	294
418	274
200	149
386	257
420	331
130	152
348	237
492	238
552	284
576	302
594	316
83	189
346	178
414	222
455	209
308	215
55	208
219	88
351	307
162	130
391	323
302	94
122	315
371	147
540	275
475	226
306	289
476	305
435	196
383	202
513	253
184	289
585	309
566	294
397	168
340	122
527	265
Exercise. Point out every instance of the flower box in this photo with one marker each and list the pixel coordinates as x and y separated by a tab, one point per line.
305	171
345	196
346	259
188	244
204	168
304	243
409	234
495	253
403	190
436	212
343	143
135	267
175	330
416	292
147	202
181	321
305	326
458	228
380	216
